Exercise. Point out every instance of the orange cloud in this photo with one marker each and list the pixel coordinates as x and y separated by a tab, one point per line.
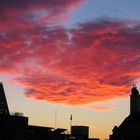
95	65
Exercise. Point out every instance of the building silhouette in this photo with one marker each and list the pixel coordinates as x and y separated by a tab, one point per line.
81	132
15	127
12	127
129	129
4	110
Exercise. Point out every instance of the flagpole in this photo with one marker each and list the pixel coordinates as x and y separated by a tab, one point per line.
70	122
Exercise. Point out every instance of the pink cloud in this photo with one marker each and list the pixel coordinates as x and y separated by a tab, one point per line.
30	14
101	108
92	62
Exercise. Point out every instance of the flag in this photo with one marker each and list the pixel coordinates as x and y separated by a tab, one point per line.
71	117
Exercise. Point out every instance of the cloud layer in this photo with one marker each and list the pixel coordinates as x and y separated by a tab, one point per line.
94	61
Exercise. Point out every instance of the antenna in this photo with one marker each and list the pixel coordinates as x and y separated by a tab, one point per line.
55	117
134	85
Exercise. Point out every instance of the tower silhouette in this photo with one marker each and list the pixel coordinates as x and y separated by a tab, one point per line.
134	100
129	129
4	110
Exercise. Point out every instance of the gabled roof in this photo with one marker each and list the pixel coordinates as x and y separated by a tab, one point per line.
132	120
130	126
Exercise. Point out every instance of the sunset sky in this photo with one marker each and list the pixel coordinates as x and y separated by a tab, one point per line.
78	57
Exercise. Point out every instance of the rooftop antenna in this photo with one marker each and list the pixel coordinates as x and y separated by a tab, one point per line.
55	117
134	85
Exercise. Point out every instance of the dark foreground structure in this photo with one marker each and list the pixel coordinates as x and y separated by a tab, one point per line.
130	127
15	127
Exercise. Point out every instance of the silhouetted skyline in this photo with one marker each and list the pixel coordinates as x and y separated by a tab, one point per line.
15	126
78	57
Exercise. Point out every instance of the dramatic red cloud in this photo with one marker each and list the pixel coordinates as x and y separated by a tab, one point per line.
94	61
25	23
